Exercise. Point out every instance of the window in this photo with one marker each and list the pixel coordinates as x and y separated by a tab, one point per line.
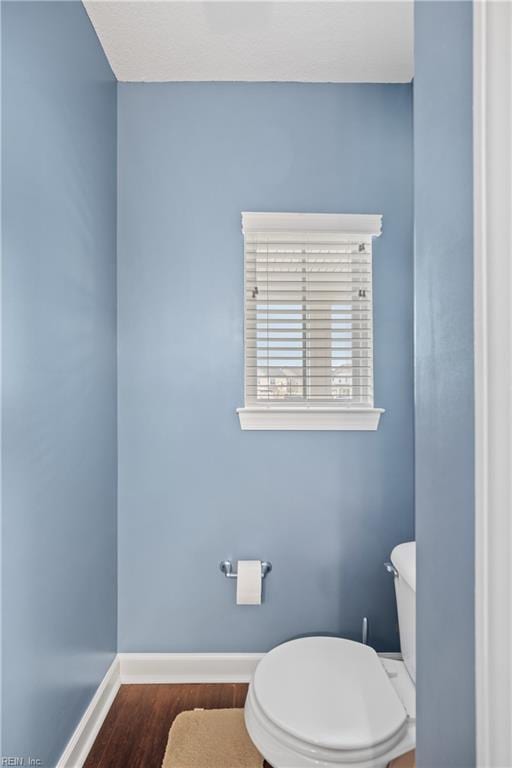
308	321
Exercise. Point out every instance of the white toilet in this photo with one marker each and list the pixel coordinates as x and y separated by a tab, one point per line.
326	701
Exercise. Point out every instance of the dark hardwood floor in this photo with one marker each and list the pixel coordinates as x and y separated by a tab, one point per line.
135	731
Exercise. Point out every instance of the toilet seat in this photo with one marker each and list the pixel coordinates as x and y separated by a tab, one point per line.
324	701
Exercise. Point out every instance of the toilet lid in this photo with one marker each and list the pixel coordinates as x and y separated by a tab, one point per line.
330	692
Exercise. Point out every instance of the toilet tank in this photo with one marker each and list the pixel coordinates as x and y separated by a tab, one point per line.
403	558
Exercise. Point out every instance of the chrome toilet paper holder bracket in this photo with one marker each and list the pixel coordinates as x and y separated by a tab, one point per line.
226	566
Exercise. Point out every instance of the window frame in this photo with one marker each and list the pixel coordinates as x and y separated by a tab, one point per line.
306	415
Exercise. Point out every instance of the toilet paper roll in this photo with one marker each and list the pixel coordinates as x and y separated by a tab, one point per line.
248	584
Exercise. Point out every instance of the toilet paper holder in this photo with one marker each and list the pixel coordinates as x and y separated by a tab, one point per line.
226	566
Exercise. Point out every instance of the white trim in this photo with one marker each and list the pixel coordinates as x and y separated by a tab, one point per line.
493	399
353	224
79	745
319	410
309	418
188	667
152	668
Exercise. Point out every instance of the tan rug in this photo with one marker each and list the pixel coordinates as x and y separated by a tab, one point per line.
211	738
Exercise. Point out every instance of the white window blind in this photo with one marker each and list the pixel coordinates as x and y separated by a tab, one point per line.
308	309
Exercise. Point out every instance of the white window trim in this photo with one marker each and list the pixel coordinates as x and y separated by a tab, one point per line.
310	417
356	224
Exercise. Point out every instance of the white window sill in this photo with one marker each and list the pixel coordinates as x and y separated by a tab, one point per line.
309	417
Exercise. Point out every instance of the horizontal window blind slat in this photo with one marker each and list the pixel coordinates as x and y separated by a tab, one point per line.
271	295
345	402
312	385
323	350
307	261
284	371
282	323
366	380
323	370
310	341
311	252
300	270
320	304
309	282
317	366
353	397
306	283
346	266
348	288
260	330
270	321
320	256
310	246
297	262
310	259
337	357
319	362
315	382
339	308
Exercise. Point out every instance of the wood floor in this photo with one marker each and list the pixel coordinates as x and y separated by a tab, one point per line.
135	731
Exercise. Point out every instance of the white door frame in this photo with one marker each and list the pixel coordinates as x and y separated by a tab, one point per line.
493	364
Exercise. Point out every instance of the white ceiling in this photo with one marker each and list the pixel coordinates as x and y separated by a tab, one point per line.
315	41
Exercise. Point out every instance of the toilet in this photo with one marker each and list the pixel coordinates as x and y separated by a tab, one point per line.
328	701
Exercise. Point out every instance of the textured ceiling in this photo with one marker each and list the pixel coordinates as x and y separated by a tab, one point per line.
342	41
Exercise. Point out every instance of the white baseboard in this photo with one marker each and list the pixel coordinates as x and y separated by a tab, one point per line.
79	745
152	668
188	667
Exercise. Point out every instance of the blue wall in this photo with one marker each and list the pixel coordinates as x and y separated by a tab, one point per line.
326	508
59	383
444	384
